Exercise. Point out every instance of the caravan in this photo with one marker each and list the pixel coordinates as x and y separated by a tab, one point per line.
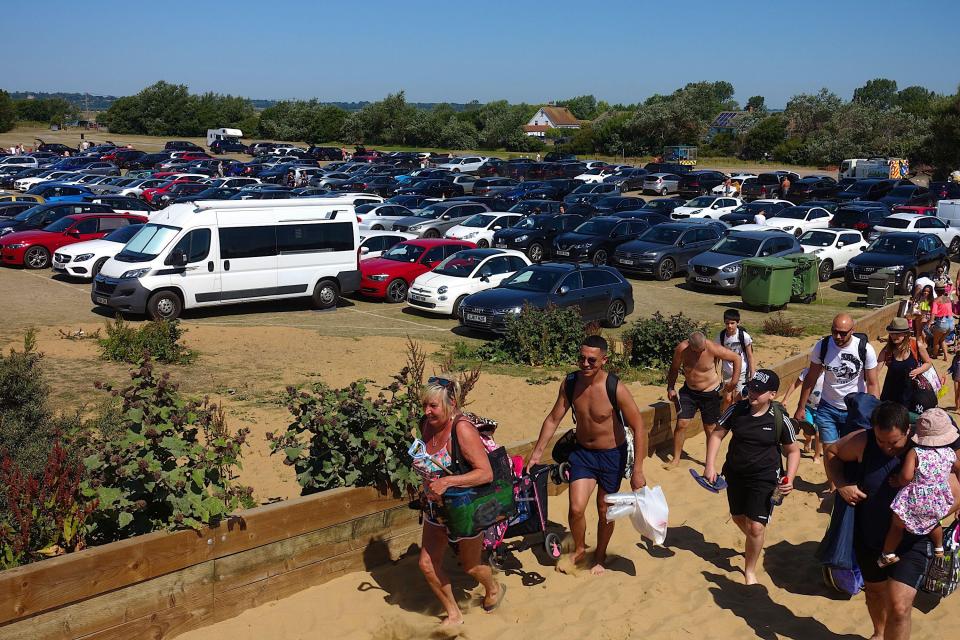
215	252
232	135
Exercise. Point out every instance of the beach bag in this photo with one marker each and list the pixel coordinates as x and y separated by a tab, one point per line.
847	581
647	509
835	552
943	574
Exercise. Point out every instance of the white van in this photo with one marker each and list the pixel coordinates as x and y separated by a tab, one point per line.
214	252
223	134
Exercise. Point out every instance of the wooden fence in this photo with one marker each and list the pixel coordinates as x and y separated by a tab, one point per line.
163	584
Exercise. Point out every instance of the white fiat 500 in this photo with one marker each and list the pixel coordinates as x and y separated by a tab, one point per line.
479	228
442	290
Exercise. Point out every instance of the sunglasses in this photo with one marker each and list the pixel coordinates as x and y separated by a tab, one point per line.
418	451
591	360
839	333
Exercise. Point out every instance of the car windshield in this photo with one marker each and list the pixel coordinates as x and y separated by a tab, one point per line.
29	213
858	187
595	227
432	212
530	223
533	279
794	213
658	205
59	226
702	201
481	220
737	245
817	239
895	223
123	234
886	244
459	265
148	243
404	253
750	209
660	235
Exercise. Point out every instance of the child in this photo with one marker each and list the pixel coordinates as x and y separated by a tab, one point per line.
811	437
925	497
733	337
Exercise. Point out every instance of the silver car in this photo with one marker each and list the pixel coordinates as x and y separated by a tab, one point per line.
434	220
719	267
662	183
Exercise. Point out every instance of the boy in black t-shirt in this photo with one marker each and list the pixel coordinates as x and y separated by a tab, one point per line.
753	466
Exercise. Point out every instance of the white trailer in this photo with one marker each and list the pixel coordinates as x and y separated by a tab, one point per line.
223	134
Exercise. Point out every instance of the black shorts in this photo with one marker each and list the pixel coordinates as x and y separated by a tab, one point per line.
707	402
750	497
914	553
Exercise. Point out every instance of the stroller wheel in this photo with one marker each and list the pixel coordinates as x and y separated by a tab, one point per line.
560	473
551	542
495	560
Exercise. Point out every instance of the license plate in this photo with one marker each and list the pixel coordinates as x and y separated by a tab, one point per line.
60	265
475	318
622	261
861	276
501	245
563	253
101	300
418	298
702	279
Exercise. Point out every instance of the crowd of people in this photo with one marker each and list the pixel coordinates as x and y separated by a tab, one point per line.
894	463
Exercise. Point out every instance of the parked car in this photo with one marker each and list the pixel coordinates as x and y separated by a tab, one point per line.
50	191
799	219
534	207
373	244
480	228
83	260
610	205
465	164
180	191
20	197
181	145
380	216
870	189
466	182
902	194
210	193
628	179
918	209
122	204
834	248
10	209
916	223
325	153
492	185
19	161
435	219
813	188
389	277
719	267
667	167
443	289
665	249
736	180
765	185
698	183
597	174
662	183
908	255
227	145
33	248
745	213
559	156
862	216
414	203
152	194
432	189
45	214
599	293
584	192
534	234
597	239
711	207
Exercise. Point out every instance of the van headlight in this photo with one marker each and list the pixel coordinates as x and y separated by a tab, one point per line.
82	257
135	273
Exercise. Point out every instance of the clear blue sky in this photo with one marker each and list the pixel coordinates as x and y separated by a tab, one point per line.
488	50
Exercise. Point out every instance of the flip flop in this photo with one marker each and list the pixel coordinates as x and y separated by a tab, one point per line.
718	485
493	607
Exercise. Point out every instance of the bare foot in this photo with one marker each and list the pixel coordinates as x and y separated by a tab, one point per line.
451	621
816	460
749	578
671	465
597	570
578	555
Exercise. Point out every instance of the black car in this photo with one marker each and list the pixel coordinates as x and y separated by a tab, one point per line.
663	206
494	204
813	188
181	145
600	293
908	255
412	202
381	185
57	148
490	186
534	234
829	205
181	190
211	193
628	179
432	188
664	250
942	191
534	207
609	205
325	153
227	145
556	156
555	189
8	179
587	192
765	185
902	194
871	189
122	203
43	214
650	217
666	167
149	160
128	158
12	209
745	213
862	216
596	239
698	183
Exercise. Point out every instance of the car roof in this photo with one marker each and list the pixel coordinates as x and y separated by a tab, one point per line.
761	235
432	242
907	234
908	216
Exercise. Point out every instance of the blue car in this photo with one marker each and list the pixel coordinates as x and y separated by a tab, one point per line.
600	293
59	191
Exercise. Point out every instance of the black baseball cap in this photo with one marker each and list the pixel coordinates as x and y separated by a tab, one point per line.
764	380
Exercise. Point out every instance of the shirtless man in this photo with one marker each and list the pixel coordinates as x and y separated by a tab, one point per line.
600	457
702	386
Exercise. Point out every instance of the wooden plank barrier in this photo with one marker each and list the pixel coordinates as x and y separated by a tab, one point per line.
163	584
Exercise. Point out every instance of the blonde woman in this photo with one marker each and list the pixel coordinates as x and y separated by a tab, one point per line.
434	464
942	322
905	359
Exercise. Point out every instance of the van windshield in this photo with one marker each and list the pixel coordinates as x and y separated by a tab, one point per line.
149	242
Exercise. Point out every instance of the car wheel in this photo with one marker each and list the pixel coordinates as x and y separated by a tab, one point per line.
535	252
397	290
600	258
666	269
826	270
955	246
164	305
456	306
325	294
36	258
377	227
908	280
431	233
97	266
482	244
663	191
616	313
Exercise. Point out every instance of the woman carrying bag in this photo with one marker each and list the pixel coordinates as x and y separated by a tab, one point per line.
905	359
434	462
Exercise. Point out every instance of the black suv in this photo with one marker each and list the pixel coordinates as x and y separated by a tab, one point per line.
227	145
666	167
556	156
811	188
534	234
698	183
907	254
181	145
596	239
862	216
765	185
866	190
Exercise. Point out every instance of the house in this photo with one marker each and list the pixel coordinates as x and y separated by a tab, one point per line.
731	122
550	118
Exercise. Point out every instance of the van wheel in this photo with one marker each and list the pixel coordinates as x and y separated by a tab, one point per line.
96	268
397	291
325	294
164	305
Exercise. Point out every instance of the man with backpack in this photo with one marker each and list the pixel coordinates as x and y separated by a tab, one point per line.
849	364
753	470
602	410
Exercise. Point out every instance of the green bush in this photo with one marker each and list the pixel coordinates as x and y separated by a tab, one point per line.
651	341
540	337
780	325
159	339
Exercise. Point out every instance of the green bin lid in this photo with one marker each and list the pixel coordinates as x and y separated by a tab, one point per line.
776	264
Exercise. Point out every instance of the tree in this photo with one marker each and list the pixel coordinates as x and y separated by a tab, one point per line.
942	146
756	103
582	107
879	92
764	137
8	114
807	113
916	100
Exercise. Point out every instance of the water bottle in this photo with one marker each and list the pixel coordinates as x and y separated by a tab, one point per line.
778	493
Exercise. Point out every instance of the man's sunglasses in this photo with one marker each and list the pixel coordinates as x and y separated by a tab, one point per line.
839	333
591	360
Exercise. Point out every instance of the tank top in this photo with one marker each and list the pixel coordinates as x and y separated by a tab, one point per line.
873	514
897	386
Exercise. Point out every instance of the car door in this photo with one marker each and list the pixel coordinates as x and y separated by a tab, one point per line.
496	270
853	245
597	288
689	244
936	226
573	296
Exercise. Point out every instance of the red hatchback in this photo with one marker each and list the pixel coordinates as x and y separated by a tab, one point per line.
153	195
32	249
390	275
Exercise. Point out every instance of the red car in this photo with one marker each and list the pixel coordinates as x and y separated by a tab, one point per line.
390	275
924	211
153	195
32	249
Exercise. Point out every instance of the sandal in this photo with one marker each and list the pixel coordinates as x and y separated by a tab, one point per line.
938	552
887	559
493	607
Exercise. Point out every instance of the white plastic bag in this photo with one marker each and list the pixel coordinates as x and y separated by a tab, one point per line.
647	509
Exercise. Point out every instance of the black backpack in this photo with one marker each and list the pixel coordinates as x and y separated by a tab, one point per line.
612	381
861	349
740	338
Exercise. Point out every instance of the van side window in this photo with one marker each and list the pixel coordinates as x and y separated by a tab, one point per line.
196	245
304	238
247	242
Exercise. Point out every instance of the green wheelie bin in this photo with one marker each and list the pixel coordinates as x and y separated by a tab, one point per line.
766	283
805	277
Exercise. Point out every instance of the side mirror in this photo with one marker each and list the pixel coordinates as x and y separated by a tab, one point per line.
444	217
178	259
497	228
564	290
74	233
364	250
484	278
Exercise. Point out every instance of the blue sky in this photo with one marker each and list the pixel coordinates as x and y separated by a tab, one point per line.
488	50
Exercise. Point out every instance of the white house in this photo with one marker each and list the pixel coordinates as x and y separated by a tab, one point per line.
550	118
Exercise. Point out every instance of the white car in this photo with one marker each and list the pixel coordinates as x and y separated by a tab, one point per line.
374	243
237	182
380	217
596	175
465	181
736	181
136	189
465	164
919	223
479	228
800	219
834	247
709	207
83	260
47	176
444	289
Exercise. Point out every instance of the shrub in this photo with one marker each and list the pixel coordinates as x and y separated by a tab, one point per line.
173	464
651	341
540	337
160	339
779	325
